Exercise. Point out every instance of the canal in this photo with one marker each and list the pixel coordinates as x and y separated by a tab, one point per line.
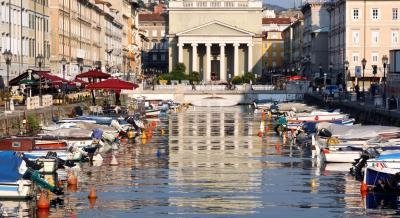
210	162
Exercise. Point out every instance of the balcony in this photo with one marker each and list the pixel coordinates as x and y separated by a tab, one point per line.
215	4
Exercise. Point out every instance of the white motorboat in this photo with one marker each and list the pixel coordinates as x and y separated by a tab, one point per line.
20	189
214	101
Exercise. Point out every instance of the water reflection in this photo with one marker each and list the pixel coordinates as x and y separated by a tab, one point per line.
211	164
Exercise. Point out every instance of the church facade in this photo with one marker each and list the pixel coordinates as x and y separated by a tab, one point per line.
218	39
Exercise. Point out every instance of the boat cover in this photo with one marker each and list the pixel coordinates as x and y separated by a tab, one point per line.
9	166
356	131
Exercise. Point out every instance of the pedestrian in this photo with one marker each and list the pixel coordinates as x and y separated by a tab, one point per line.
357	90
193	86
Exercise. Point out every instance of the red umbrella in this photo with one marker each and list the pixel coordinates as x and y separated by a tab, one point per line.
94	74
297	78
113	84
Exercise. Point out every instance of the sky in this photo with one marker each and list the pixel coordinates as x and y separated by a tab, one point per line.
282	3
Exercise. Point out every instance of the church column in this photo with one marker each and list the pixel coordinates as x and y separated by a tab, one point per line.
236	59
180	52
194	58
208	62
250	57
222	65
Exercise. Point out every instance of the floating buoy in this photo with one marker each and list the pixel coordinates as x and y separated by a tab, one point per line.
43	202
263	115
143	136
131	134
72	180
42	213
363	188
92	202
313	183
92	193
114	161
153	124
144	141
260	134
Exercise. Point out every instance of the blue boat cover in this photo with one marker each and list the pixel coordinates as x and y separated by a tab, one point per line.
9	164
388	156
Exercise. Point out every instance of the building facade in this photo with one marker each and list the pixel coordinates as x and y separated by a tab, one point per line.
273	43
25	33
222	39
155	49
315	36
363	29
294	59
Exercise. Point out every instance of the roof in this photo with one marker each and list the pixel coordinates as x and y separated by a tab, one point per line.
152	17
280	20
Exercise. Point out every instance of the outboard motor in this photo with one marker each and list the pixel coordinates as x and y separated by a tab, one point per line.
359	163
324	133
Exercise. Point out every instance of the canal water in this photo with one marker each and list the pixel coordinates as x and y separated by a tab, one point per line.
210	162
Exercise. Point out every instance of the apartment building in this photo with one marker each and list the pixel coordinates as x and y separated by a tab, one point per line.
24	30
294	61
363	29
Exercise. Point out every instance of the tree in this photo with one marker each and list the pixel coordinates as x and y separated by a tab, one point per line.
247	77
237	80
180	68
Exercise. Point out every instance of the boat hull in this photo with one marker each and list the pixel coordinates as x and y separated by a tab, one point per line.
341	156
15	190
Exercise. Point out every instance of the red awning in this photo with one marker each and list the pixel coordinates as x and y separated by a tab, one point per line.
55	80
297	78
94	74
113	84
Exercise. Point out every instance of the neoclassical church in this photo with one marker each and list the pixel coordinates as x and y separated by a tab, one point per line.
218	39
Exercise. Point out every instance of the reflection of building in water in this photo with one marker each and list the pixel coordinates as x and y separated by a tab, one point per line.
213	156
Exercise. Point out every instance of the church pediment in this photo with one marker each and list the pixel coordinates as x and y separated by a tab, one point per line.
215	28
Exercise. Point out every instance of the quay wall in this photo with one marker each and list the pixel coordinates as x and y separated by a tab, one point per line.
16	123
363	113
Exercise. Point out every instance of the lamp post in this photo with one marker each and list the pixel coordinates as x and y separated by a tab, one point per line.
63	62
7	57
330	71
320	71
364	63
346	67
39	60
384	62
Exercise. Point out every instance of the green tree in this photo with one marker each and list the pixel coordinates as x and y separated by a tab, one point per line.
247	77
194	76
180	68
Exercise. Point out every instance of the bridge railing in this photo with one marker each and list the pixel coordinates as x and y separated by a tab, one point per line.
214	87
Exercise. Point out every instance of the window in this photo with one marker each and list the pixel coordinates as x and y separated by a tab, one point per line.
395	14
154	57
356	37
375	57
273	54
355	58
375	14
163	57
355	14
375	37
154	33
273	45
273	64
395	37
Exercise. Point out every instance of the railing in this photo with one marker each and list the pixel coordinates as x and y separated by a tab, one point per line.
215	4
201	87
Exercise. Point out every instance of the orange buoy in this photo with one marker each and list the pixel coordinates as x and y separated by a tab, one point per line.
260	134
263	115
92	202
43	202
92	193
42	213
363	188
153	124
72	180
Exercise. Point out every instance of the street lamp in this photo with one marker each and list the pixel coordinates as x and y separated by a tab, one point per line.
39	60
7	57
364	63
384	62
330	71
63	62
320	71
346	66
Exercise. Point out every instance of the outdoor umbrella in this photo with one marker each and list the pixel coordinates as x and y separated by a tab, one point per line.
97	74
112	84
